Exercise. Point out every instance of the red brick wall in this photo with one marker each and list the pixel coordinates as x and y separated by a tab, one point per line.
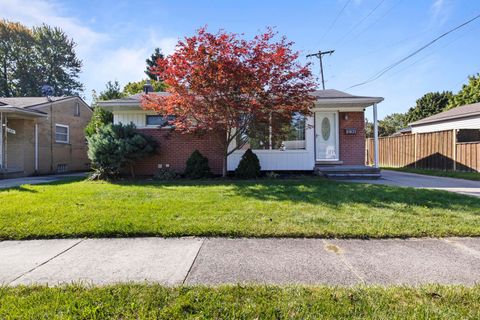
352	147
175	148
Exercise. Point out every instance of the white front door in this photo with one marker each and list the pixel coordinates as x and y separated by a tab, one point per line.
326	136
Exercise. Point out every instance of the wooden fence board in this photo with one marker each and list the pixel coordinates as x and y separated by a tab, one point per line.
433	150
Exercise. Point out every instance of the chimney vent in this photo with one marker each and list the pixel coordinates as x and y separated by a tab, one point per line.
148	86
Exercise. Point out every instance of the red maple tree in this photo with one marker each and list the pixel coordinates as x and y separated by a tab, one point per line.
223	83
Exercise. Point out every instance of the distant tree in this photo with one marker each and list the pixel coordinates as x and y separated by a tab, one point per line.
221	83
112	91
430	104
102	117
391	124
387	126
56	62
470	93
116	146
132	88
16	42
31	58
152	62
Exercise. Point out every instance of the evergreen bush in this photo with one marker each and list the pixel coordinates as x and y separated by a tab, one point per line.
197	166
115	146
249	166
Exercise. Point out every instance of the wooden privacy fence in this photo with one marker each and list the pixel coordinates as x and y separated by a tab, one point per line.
432	150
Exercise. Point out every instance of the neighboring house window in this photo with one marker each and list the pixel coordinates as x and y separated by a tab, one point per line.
62	133
158	120
77	109
468	135
277	134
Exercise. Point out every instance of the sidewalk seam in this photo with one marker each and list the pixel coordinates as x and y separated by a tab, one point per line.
47	261
462	247
348	265
193	262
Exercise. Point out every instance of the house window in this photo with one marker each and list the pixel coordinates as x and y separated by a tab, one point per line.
278	133
77	109
62	133
158	120
468	135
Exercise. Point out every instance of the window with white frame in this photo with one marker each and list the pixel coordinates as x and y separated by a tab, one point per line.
278	133
62	133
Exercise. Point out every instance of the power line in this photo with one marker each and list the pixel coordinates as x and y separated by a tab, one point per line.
361	20
386	69
377	20
335	20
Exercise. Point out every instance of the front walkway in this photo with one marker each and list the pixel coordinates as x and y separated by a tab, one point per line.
176	261
16	182
406	179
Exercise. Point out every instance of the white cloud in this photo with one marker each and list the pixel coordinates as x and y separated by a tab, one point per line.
440	10
102	59
36	12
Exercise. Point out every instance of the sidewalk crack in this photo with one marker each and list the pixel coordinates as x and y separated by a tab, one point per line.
342	258
193	262
47	261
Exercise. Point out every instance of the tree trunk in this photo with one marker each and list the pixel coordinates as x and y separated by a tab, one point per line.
132	170
224	169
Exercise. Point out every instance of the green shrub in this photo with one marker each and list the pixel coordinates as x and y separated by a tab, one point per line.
115	146
249	166
197	166
165	174
100	118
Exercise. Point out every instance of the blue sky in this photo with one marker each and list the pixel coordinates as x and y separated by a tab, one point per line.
115	37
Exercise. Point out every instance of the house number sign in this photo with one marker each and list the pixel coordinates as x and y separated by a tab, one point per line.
350	131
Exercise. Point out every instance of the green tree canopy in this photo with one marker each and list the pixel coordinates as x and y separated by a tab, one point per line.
387	126
34	57
16	41
470	93
137	87
430	104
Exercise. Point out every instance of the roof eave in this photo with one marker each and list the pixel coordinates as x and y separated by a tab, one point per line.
426	121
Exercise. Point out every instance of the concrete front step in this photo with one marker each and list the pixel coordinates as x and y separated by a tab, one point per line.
348	172
353	175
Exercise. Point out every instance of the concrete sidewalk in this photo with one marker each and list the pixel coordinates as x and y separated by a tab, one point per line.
176	261
16	182
406	179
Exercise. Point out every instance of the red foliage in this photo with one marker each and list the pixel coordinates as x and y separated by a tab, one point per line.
221	82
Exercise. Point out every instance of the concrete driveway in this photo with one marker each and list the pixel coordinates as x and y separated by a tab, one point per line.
176	261
16	182
404	179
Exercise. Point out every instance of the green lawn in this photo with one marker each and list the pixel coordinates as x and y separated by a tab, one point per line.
239	302
440	173
308	207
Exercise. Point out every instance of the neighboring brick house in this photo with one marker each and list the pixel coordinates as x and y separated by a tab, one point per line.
43	135
333	135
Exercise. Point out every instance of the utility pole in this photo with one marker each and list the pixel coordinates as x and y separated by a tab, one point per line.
319	55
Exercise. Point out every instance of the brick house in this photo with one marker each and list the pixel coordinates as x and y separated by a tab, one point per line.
41	135
334	135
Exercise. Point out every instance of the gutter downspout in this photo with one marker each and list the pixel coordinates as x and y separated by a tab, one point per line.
36	147
375	136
